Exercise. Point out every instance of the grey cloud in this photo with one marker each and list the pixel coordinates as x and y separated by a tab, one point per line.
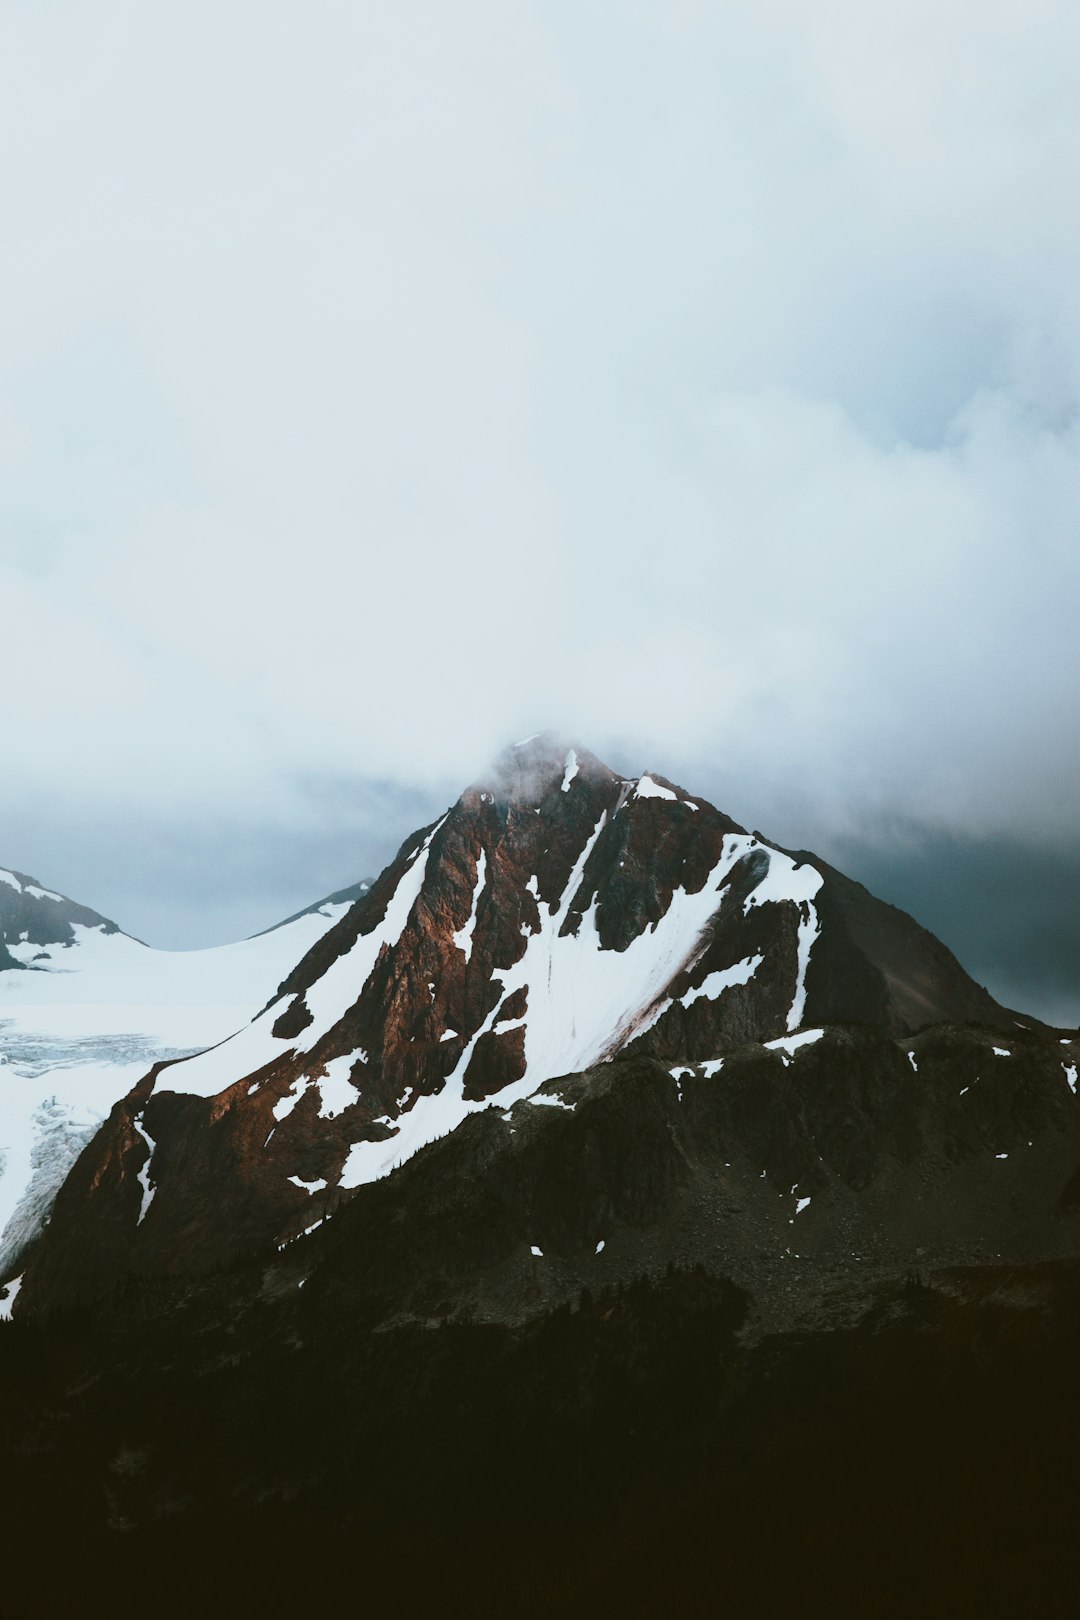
1006	909
701	380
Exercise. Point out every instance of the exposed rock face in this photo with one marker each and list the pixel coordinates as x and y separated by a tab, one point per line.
556	917
37	924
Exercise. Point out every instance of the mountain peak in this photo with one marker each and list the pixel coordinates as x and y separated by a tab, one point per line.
557	917
525	773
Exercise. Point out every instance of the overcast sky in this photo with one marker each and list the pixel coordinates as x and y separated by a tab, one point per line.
382	381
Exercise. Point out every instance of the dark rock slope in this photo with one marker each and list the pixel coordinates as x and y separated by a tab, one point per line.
793	1336
557	917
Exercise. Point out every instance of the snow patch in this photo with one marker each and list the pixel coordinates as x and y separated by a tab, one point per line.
538	1252
463	938
648	789
1001	1051
784	880
285	1105
714	985
1070	1076
336	1089
788	1045
308	1186
548	1100
144	1174
571	770
8	1305
801	1204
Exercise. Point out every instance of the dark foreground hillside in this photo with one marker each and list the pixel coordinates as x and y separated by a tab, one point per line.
795	1336
634	1454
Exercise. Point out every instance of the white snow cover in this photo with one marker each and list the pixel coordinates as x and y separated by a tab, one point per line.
600	1246
1070	1075
144	1174
548	1100
338	1091
104	984
80	1028
800	1205
570	772
788	1045
648	789
786	881
308	1186
911	1060
464	937
1002	1051
285	1105
7	1305
534	1250
712	987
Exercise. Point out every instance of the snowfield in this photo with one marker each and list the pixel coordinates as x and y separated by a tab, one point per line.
79	1029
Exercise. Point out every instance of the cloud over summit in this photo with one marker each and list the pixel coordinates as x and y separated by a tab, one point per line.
380	383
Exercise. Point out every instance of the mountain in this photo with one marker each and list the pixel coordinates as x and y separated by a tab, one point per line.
609	1214
556	918
85	1009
